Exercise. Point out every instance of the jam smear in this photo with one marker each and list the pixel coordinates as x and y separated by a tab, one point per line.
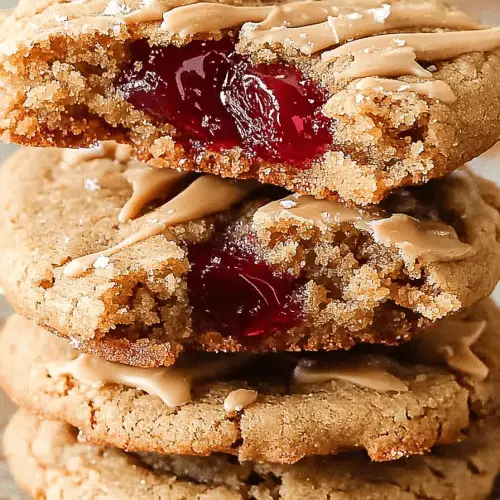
216	99
233	294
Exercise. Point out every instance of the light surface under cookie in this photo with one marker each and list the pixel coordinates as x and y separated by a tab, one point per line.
384	136
381	401
48	461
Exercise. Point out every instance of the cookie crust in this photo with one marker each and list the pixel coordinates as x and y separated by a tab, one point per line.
48	461
136	309
59	63
286	423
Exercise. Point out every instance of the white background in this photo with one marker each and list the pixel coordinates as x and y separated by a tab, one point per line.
489	165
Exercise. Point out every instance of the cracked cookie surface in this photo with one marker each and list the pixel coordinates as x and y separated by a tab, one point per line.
48	461
61	63
143	304
290	418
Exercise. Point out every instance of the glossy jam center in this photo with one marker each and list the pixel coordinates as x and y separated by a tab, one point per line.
180	86
233	294
277	112
215	98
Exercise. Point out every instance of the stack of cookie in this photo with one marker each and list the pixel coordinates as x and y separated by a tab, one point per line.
270	278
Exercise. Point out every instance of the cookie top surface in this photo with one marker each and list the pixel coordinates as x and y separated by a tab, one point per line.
47	460
331	277
386	402
76	72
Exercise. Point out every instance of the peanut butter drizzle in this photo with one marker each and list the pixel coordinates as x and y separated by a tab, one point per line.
309	26
318	211
430	241
105	149
207	195
359	24
396	62
151	10
427	46
315	26
434	89
361	374
148	184
300	14
451	340
204	17
172	385
239	399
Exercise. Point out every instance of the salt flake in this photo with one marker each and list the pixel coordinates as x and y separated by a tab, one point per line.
288	204
92	185
382	13
354	16
114	8
101	262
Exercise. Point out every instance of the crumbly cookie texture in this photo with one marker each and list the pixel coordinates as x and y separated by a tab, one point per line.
59	63
287	422
47	460
134	306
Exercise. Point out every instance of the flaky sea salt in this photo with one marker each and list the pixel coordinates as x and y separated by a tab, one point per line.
101	262
114	8
92	185
288	203
382	13
74	343
354	16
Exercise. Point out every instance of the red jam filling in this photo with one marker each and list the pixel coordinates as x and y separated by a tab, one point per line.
216	99
233	294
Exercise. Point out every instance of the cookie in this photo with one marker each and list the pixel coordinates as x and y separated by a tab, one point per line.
305	96
232	266
278	408
47	460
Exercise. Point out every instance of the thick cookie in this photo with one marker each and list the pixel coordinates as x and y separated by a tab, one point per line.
302	95
218	267
293	406
47	460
